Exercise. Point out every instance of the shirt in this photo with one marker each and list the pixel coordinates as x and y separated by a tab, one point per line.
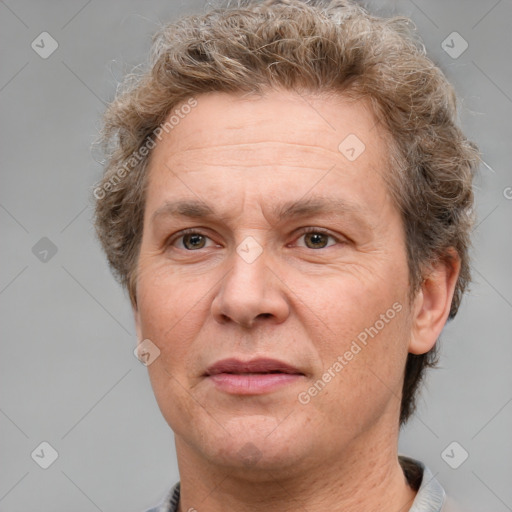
430	495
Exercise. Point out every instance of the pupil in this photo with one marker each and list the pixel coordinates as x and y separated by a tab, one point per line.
317	239
194	241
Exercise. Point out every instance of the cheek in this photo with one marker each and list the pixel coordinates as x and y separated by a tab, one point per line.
167	302
368	330
362	345
171	314
350	306
173	399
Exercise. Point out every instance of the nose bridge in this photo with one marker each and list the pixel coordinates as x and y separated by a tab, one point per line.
249	290
250	266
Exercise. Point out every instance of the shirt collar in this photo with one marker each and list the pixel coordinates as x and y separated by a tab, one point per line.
430	496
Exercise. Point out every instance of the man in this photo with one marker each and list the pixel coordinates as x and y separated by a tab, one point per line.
288	200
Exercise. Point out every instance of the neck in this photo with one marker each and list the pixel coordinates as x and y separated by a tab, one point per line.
363	477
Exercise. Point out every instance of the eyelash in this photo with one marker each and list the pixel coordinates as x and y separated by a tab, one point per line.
302	232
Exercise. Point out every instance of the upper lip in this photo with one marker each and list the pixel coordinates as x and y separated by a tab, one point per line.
260	365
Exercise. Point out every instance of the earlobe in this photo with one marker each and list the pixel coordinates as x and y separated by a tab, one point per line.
432	303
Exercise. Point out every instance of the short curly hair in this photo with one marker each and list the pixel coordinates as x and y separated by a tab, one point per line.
318	46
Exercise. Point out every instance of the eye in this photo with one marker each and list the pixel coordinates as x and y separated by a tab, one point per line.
190	240
316	238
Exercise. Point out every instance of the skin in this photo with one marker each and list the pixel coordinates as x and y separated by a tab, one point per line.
297	302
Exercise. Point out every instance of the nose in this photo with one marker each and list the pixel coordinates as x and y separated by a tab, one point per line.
251	293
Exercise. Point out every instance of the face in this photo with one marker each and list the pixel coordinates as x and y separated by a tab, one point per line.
273	279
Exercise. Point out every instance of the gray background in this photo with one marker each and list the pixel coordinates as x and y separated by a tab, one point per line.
67	372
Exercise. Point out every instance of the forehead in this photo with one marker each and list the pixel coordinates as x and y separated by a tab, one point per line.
273	145
316	121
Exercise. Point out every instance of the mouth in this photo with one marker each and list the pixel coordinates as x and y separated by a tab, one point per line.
253	377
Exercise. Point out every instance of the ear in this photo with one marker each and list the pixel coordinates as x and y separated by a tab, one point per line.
136	314
132	293
433	301
136	318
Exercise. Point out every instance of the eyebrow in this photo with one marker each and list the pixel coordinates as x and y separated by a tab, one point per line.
315	205
185	208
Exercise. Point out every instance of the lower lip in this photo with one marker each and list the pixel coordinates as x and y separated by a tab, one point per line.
252	384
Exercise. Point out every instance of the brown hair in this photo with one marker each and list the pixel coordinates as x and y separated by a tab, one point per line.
331	46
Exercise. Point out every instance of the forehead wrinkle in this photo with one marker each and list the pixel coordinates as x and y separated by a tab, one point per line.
253	143
265	152
243	156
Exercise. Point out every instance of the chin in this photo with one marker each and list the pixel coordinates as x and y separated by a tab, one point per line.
254	444
251	460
